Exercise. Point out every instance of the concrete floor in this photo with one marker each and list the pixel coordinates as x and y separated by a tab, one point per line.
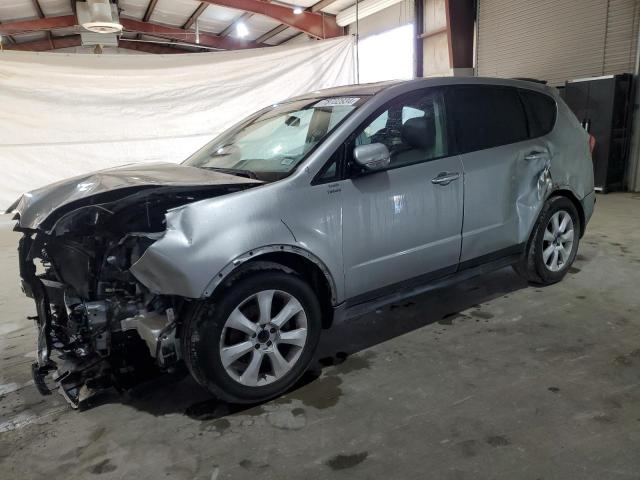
489	379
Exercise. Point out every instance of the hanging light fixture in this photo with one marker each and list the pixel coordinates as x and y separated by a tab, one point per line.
98	16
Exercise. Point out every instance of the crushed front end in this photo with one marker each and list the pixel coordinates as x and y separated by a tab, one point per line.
98	326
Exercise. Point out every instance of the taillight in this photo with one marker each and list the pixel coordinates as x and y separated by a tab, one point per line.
592	143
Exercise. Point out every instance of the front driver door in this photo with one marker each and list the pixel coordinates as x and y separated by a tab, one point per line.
403	224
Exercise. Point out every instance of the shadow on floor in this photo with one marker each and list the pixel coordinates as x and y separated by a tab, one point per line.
179	393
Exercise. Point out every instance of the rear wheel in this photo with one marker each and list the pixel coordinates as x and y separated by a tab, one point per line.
553	244
255	339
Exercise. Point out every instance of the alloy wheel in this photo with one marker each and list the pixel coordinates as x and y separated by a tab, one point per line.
557	242
263	338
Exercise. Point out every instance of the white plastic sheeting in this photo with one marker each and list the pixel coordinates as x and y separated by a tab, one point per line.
62	115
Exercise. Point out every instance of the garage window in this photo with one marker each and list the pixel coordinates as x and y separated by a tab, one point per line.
387	56
486	117
541	112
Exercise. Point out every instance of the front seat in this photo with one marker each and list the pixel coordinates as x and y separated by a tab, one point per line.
419	139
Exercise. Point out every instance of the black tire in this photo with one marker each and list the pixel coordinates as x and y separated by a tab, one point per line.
532	266
203	329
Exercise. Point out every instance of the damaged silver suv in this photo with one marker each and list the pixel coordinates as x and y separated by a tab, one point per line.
309	212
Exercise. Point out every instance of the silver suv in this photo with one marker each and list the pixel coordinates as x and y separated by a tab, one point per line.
309	212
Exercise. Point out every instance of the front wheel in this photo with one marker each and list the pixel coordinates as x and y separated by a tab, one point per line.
255	339
553	244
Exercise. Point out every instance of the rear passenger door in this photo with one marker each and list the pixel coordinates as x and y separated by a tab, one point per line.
501	162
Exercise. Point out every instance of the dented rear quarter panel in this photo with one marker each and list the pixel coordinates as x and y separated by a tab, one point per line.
571	166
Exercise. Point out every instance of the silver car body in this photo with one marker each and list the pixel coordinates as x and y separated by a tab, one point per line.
374	238
350	227
345	227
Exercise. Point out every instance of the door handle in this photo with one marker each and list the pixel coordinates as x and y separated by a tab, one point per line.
533	156
445	178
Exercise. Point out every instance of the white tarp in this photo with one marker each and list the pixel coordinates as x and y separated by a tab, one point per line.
66	114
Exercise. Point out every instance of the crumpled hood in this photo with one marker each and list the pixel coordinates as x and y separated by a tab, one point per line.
36	206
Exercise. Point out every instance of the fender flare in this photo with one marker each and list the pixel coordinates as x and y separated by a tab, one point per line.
255	253
561	190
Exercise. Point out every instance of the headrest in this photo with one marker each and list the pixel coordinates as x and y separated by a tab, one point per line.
419	132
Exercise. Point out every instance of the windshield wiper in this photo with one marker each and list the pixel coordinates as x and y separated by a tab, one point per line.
234	171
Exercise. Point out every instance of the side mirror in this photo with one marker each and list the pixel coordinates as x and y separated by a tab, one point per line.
372	157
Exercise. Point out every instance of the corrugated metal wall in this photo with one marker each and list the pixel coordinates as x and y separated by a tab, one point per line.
556	40
392	17
622	36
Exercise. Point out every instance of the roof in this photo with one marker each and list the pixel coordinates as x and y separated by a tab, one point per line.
362	89
374	88
52	24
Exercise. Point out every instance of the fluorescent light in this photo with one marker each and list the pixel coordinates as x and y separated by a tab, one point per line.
242	30
297	10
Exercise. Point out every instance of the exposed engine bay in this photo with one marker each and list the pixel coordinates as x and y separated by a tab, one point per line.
98	326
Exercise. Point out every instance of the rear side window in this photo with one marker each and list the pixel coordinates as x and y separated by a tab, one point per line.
541	112
486	117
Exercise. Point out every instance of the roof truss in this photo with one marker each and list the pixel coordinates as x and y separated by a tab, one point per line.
150	8
319	25
195	15
189	36
316	7
74	41
173	33
311	21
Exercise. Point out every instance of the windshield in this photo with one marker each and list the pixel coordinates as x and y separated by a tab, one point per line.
271	143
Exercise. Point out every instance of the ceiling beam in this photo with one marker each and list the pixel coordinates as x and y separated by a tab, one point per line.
41	24
195	15
318	25
38	8
271	33
8	37
150	8
150	48
291	38
206	39
74	41
232	25
189	36
316	7
45	45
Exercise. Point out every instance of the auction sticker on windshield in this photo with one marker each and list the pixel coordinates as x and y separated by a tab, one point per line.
337	101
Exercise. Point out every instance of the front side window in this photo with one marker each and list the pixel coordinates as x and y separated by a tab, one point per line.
486	117
271	143
413	128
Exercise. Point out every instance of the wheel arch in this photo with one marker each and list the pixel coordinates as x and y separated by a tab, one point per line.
570	195
288	258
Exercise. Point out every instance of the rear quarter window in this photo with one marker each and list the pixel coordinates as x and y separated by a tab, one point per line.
541	112
486	117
